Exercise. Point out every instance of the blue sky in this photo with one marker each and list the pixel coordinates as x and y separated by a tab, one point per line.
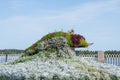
23	22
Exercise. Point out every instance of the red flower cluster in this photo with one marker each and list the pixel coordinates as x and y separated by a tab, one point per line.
76	39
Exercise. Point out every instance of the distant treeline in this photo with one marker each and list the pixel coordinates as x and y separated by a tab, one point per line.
95	52
78	52
112	52
11	51
17	51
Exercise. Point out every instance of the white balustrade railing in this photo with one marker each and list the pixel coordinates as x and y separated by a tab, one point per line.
8	57
113	59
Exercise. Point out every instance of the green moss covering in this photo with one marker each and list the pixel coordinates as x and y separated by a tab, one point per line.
83	43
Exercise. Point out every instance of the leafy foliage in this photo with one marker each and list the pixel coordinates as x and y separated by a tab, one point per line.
113	77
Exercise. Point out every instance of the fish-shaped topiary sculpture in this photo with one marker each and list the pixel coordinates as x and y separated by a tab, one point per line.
74	40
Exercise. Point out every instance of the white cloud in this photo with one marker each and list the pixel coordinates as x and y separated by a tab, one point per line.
32	26
74	16
16	4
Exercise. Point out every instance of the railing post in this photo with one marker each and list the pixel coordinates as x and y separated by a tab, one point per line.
6	57
101	57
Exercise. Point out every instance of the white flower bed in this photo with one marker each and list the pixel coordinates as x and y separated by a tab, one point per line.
40	68
112	69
